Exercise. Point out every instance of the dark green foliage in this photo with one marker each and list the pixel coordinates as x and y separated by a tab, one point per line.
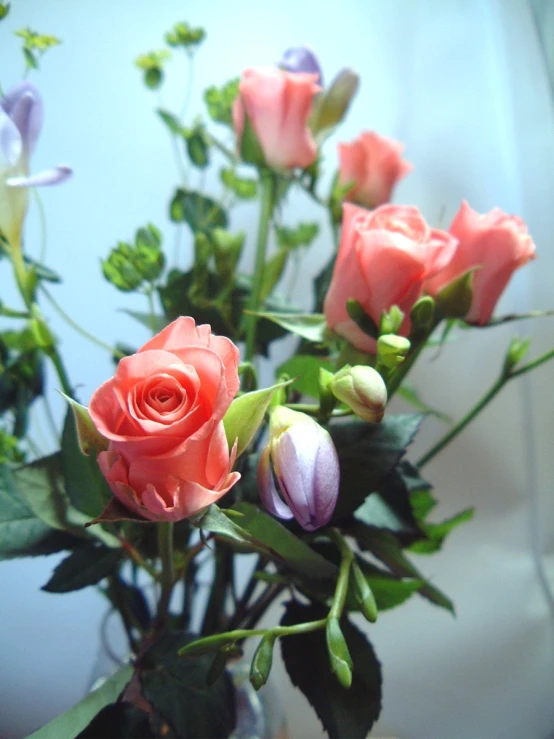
344	712
176	687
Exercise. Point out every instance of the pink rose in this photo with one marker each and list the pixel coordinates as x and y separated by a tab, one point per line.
278	105
495	243
168	456
374	164
385	257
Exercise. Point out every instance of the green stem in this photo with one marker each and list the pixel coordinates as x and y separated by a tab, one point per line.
55	358
268	187
42	220
151	307
481	404
165	549
60	311
347	557
239	634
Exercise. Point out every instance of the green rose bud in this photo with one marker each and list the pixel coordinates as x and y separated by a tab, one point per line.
363	390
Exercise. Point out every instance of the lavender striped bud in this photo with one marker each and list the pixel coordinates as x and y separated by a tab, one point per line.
304	460
301	59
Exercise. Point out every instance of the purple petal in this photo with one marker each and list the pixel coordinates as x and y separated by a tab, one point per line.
47	177
11	145
23	104
308	473
267	490
301	59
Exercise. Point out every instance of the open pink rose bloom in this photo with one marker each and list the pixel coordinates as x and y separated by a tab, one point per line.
168	456
385	257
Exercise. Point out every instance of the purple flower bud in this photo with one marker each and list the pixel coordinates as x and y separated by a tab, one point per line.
301	59
21	113
306	466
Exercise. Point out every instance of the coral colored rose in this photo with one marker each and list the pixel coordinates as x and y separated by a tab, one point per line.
278	105
168	456
374	164
385	257
495	243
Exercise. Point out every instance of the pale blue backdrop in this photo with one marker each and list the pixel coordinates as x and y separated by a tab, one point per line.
464	84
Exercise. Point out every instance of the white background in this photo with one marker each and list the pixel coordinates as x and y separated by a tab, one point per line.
463	84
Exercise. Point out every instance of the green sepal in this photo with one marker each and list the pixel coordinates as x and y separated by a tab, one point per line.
363	593
245	414
454	300
364	321
250	148
341	661
262	662
90	439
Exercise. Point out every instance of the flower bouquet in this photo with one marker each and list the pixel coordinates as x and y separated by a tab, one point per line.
182	467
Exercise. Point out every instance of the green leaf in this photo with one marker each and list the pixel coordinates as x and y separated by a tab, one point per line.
171	121
85	484
200	212
384	546
366	454
294	238
273	271
243	187
311	326
22	532
389	591
177	689
422	503
256	531
409	393
186	36
282	543
41	485
219	101
70	723
122	719
4	10
152	323
245	414
344	712
86	565
304	368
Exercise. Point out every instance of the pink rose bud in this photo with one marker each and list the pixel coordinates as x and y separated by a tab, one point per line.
168	456
374	165
494	243
301	59
306	466
385	257
278	105
363	390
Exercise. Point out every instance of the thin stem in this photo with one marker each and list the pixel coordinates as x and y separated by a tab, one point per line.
137	557
151	308
268	186
231	156
240	634
57	361
347	557
42	219
481	404
165	549
60	311
50	418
